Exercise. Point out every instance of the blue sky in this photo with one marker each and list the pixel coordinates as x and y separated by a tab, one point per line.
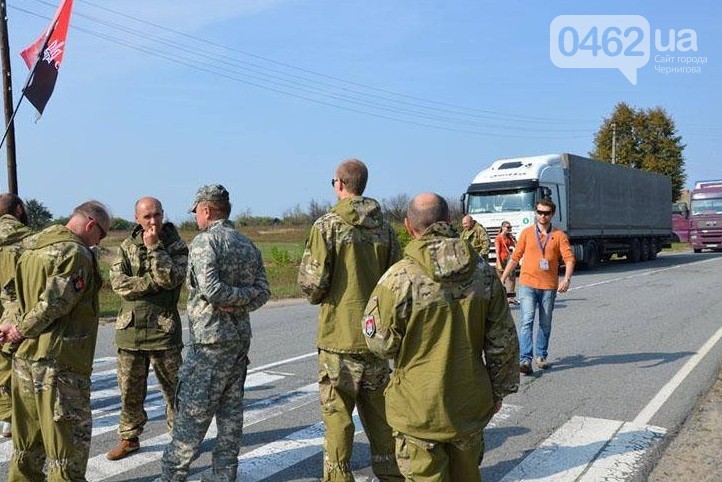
427	93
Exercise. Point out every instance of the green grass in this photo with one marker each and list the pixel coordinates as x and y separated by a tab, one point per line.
281	248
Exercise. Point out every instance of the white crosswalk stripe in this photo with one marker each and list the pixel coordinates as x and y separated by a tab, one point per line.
621	444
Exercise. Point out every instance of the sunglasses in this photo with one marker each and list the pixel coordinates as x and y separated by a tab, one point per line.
544	213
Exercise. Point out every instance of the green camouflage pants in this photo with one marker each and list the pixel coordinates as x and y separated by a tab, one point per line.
51	423
426	461
133	384
6	369
347	381
210	383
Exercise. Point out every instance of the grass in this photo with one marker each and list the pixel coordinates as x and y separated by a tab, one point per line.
281	248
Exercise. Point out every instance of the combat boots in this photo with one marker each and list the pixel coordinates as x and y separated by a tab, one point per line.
123	449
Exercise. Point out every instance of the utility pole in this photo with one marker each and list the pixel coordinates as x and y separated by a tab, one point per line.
8	98
614	142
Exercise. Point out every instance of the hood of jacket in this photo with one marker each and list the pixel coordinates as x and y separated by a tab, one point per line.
359	211
12	230
442	255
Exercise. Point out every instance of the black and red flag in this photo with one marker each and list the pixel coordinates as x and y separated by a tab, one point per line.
44	57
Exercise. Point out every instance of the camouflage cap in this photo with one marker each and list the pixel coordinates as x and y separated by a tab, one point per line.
209	192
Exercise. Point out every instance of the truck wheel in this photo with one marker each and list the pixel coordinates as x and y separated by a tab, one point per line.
591	255
645	250
653	249
635	251
697	250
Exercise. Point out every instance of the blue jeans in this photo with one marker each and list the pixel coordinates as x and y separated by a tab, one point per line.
529	299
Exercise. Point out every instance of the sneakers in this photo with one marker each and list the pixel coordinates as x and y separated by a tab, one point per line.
542	363
7	430
525	367
123	449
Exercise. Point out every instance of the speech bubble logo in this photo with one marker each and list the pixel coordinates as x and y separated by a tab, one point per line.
600	42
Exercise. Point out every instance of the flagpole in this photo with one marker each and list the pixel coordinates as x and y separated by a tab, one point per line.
8	99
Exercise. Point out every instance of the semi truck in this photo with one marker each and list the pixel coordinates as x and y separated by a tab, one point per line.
705	222
680	222
605	209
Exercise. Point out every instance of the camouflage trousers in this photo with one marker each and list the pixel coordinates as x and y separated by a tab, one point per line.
347	381
6	369
51	423
210	383
133	383
427	461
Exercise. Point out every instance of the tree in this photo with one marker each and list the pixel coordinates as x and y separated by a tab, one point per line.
645	139
394	208
38	215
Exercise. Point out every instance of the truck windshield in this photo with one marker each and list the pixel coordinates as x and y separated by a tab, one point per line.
501	201
707	206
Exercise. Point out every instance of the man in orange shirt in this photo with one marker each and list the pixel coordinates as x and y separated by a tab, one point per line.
541	246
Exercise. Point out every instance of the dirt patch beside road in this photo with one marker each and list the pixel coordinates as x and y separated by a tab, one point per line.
695	454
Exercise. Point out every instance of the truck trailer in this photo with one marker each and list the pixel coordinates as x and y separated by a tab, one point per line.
605	209
705	223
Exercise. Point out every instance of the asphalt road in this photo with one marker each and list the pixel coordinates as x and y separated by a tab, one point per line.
627	367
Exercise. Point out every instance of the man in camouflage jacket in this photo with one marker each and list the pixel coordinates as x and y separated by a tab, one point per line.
226	281
13	230
347	251
441	314
476	234
57	281
147	275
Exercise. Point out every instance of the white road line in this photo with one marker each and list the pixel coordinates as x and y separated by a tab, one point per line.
656	403
277	456
587	449
100	468
646	273
282	362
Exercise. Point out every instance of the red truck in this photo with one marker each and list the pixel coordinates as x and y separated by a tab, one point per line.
680	222
705	220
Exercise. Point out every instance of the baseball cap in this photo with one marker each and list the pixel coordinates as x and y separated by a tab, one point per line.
209	192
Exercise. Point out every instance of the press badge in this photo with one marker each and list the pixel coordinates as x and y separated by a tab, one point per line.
544	264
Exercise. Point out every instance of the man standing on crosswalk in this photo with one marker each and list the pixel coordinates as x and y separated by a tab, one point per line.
347	251
147	275
226	281
57	281
13	229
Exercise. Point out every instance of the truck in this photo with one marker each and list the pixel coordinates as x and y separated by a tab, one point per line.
705	221
605	209
680	222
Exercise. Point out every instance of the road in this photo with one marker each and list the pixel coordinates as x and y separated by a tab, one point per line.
632	348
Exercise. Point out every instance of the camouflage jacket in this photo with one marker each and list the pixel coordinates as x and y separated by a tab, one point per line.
347	251
57	282
479	239
225	270
149	282
12	232
442	315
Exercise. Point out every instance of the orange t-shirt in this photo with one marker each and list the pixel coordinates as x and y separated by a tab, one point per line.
527	247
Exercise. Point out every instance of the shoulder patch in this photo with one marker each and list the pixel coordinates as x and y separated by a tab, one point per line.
79	282
369	326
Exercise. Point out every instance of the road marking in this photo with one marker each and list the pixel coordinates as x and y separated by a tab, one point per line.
100	468
638	275
283	362
656	403
587	449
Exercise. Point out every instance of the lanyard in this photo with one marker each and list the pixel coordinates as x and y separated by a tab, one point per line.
546	241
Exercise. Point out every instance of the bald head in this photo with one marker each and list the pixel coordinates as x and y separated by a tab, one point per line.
424	210
148	212
467	222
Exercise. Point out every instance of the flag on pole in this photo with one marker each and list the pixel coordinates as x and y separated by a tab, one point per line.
44	56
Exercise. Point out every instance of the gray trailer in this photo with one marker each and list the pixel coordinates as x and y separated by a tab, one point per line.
606	209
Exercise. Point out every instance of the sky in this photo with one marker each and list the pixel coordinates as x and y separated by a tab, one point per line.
268	97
